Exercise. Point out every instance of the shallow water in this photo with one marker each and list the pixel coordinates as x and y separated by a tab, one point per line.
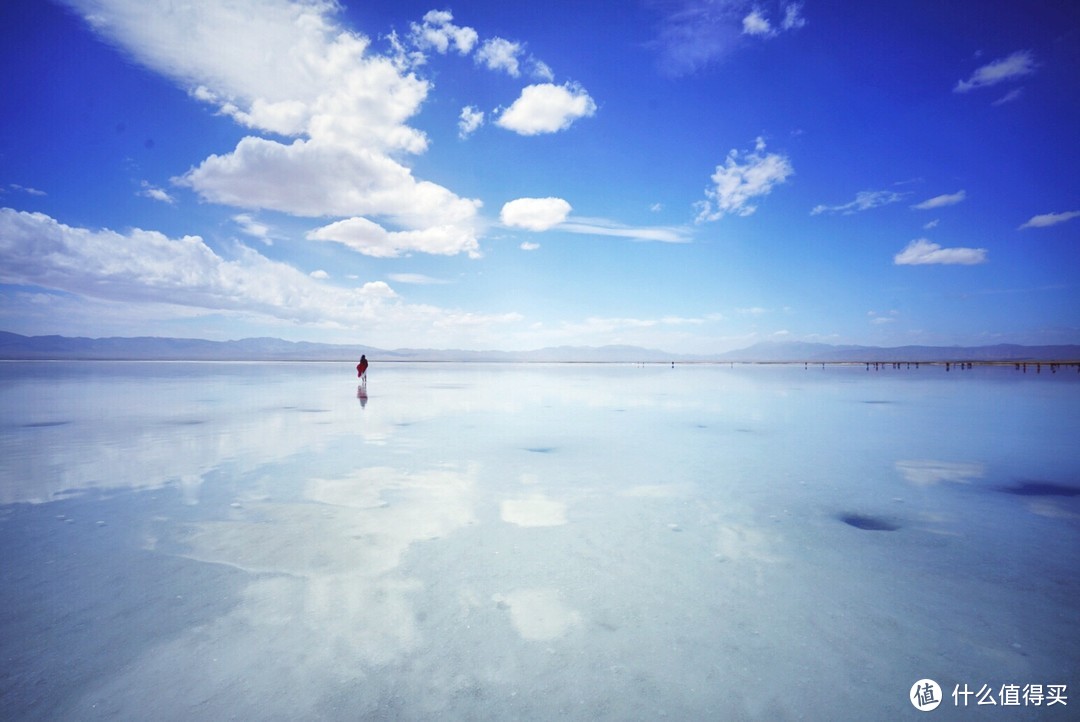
262	541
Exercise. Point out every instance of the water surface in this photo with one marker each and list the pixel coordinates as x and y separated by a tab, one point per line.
269	541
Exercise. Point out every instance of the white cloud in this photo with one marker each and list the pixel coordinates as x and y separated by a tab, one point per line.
315	179
250	226
931	224
469	121
273	65
792	18
500	54
864	200
438	32
541	70
418	279
1009	97
158	194
185	276
527	246
1017	65
756	24
922	252
742	179
604	227
148	266
947	199
534	214
155	193
879	319
547	108
929	472
371	239
289	68
25	189
319	275
1050	219
695	33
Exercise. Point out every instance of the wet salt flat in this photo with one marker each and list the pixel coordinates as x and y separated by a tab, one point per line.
262	541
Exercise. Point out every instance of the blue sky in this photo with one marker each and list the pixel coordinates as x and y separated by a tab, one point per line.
689	175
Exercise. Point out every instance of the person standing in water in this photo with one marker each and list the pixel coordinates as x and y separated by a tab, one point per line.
361	368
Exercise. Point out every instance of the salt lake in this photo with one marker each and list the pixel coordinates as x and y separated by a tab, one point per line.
535	541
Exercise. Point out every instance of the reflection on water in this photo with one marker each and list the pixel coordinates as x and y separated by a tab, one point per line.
925	473
488	542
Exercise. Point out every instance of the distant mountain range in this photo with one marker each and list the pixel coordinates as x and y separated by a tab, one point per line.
16	347
788	352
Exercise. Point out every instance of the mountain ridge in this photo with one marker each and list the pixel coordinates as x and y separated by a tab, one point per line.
145	348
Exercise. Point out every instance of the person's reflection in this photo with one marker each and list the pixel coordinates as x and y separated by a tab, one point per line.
361	393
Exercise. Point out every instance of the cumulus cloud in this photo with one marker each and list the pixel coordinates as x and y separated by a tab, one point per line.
500	54
316	178
469	121
1017	65
185	274
534	214
547	108
947	199
922	252
528	246
288	68
1050	219
371	239
743	177
157	194
755	23
251	227
275	65
864	200
438	32
148	266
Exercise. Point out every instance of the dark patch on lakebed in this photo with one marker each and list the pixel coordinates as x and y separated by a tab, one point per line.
1041	488
866	522
45	424
540	449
